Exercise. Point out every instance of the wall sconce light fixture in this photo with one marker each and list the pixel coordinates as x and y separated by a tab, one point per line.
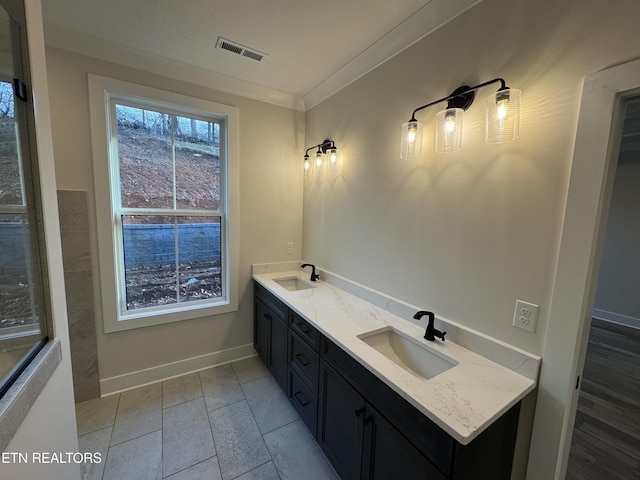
318	165
502	125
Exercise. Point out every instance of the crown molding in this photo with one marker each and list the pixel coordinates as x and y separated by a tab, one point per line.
429	18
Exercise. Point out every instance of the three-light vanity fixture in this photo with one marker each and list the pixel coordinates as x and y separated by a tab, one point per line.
502	122
317	166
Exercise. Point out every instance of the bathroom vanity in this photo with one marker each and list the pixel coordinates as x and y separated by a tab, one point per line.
345	365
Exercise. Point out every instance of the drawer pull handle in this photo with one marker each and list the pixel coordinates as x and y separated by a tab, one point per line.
301	400
303	328
302	359
358	411
367	420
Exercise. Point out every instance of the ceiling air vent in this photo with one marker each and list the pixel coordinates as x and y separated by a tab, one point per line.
240	50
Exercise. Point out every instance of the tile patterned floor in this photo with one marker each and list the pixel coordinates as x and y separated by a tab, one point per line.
223	423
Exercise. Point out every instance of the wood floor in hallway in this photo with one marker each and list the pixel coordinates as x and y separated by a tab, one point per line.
606	436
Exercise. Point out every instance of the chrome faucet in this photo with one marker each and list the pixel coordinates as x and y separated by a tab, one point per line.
431	332
314	277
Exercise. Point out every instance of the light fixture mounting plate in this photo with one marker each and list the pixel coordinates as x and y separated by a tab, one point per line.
462	97
325	145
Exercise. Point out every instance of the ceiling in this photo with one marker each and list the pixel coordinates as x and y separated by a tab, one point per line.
314	47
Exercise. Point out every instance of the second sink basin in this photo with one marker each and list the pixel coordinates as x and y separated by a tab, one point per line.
407	352
293	283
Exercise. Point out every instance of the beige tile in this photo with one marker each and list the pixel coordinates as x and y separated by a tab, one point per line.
95	442
76	251
249	369
139	413
238	441
220	387
269	405
137	459
296	455
181	389
186	436
207	470
79	291
96	414
263	472
73	211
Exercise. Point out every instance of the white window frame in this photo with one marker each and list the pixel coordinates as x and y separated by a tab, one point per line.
102	91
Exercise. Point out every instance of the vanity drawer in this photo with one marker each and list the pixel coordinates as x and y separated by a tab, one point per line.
306	331
305	402
304	361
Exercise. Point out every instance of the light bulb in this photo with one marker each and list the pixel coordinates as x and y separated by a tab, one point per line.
503	115
307	164
334	155
319	160
501	111
450	123
411	134
449	130
411	140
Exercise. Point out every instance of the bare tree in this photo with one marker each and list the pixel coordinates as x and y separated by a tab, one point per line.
6	99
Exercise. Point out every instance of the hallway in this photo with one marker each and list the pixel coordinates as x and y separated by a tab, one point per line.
606	437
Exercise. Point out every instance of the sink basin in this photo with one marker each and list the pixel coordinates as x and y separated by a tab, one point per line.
407	352
293	283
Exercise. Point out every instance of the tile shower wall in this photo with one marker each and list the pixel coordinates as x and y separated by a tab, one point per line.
76	256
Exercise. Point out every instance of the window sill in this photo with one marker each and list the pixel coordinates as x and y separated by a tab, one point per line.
152	318
17	402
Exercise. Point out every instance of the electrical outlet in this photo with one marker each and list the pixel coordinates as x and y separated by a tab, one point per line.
289	248
525	316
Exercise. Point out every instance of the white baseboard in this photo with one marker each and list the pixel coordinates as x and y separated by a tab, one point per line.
616	318
139	378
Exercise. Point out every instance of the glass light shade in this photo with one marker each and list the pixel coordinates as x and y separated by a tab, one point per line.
449	130
503	116
334	161
411	141
317	165
307	166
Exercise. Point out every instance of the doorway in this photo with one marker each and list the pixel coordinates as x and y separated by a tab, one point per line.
572	299
606	433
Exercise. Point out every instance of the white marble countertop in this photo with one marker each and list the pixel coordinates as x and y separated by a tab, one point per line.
463	400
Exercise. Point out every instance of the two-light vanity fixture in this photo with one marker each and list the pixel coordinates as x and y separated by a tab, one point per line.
502	125
318	165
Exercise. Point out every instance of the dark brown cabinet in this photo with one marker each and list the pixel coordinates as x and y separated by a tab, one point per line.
367	430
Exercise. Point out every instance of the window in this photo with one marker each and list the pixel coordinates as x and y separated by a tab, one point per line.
165	169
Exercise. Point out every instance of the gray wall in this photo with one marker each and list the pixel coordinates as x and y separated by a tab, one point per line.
152	245
618	294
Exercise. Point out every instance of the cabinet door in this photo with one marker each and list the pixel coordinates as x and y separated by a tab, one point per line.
278	349
262	330
388	454
340	414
